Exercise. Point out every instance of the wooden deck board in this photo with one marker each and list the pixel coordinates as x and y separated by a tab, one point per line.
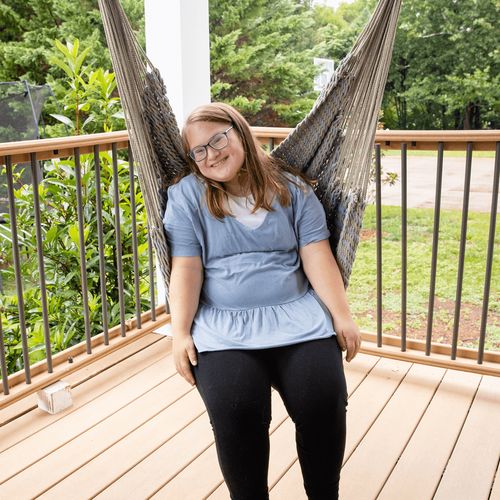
164	463
465	477
29	403
370	398
385	441
96	440
137	430
122	456
291	485
124	363
495	490
72	424
427	453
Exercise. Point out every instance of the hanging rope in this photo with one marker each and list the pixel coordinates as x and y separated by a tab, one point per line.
332	144
153	131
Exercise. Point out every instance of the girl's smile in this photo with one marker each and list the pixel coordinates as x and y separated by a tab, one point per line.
219	163
222	165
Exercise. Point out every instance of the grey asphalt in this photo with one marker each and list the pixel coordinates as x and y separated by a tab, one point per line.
422	182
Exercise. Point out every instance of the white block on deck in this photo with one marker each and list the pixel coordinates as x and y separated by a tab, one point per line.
164	330
55	397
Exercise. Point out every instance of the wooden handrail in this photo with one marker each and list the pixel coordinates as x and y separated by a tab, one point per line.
463	136
405	135
75	141
61	147
482	140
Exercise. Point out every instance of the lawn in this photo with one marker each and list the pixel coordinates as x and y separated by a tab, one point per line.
362	289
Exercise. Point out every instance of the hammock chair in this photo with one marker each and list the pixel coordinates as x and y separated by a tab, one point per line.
333	144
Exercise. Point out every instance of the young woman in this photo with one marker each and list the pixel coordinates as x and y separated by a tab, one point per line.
254	287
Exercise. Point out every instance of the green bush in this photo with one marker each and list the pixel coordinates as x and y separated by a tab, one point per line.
87	95
90	105
61	252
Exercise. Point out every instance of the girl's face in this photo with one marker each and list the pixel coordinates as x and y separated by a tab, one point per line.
222	165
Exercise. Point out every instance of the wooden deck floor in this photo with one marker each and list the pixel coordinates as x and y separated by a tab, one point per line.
138	430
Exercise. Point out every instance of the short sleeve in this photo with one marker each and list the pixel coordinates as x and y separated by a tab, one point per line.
310	218
179	227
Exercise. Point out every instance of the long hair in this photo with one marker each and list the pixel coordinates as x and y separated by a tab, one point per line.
265	175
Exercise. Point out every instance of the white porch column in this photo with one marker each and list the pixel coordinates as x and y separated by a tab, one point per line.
178	44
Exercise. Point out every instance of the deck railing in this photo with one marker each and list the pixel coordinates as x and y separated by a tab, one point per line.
439	141
34	152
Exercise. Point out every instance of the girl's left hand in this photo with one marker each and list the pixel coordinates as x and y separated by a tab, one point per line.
348	337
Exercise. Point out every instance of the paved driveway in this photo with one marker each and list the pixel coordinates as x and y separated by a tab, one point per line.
422	182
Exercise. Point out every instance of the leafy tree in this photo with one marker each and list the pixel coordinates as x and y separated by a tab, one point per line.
445	66
337	29
26	42
258	63
444	72
262	53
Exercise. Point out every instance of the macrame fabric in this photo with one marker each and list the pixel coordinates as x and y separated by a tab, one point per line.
333	143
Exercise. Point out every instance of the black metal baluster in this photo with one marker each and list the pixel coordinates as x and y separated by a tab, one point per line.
151	277
81	241
17	270
119	264
489	257
3	363
463	239
404	241
134	240
435	243
100	244
41	265
378	209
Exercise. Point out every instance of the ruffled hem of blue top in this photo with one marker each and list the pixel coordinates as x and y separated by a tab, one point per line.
300	320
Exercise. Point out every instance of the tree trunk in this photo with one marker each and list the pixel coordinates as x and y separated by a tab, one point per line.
469	110
477	117
443	117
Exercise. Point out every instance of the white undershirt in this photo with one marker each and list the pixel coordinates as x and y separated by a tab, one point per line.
241	207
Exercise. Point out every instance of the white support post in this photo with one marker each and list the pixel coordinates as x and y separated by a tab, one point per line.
178	44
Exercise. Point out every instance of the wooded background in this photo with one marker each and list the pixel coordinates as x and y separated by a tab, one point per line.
444	73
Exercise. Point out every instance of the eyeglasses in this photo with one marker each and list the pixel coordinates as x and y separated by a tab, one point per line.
218	141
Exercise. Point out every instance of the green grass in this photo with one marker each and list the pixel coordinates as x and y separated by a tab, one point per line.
362	288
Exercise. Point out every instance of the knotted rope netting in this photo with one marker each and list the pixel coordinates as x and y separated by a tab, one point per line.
333	144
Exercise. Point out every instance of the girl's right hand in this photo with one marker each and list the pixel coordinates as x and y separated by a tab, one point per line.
184	356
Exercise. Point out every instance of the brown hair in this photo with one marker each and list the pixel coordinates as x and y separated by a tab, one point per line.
265	175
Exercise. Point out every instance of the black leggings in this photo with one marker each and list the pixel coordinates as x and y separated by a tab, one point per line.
236	388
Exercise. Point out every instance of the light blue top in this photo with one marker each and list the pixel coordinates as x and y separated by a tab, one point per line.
255	293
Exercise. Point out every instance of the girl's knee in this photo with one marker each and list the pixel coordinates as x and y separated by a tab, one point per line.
236	416
321	411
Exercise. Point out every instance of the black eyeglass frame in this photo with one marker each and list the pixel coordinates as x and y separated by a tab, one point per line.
192	155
